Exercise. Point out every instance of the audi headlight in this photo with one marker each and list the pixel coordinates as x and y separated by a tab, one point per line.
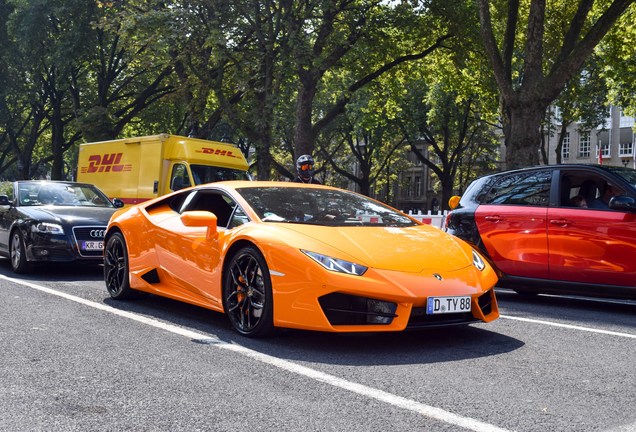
47	228
478	261
335	264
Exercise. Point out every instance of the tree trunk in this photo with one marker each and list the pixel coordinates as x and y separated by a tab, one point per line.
544	150
524	139
263	162
303	133
447	191
57	140
365	186
559	147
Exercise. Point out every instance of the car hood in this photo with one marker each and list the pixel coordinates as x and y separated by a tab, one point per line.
408	249
72	215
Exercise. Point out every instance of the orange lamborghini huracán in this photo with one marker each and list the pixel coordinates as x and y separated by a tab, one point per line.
277	254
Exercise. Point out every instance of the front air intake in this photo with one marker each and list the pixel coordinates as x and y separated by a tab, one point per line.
346	309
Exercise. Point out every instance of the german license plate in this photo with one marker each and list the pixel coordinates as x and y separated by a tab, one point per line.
93	245
444	305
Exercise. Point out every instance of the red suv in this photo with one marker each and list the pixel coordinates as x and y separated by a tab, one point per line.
568	229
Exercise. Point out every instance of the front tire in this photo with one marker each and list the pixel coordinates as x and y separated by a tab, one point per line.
116	274
19	263
247	293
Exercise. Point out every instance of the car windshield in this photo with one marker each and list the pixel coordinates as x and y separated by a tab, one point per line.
61	194
208	174
317	206
627	173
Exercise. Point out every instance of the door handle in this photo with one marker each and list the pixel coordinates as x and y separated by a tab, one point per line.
560	222
493	218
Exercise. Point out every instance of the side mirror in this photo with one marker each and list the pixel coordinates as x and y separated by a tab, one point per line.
623	203
118	203
201	218
4	200
453	202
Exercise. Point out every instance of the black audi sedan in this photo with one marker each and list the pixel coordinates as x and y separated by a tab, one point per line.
53	221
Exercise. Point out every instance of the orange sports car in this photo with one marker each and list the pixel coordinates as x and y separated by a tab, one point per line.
278	254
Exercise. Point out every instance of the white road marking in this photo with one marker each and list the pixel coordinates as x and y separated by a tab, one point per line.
370	392
569	326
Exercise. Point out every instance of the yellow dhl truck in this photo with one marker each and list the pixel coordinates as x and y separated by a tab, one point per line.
138	169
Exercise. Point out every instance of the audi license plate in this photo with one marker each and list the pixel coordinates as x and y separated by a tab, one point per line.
92	245
443	305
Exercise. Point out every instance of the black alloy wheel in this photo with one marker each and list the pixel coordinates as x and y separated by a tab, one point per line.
116	268
247	293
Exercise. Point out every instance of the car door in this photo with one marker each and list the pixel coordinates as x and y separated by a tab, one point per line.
591	245
512	221
188	255
7	217
5	225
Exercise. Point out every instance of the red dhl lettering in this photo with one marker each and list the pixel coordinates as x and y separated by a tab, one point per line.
218	152
105	163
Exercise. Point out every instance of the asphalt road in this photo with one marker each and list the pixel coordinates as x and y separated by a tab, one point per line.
72	359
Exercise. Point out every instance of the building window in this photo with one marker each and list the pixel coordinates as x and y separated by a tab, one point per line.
605	149
626	149
418	187
565	147
409	188
625	120
584	145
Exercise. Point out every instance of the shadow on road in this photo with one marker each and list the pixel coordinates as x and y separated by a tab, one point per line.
409	347
63	272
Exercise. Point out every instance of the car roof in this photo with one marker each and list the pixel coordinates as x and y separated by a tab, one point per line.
68	182
235	184
550	167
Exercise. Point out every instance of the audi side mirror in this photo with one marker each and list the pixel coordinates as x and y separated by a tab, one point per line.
4	200
118	203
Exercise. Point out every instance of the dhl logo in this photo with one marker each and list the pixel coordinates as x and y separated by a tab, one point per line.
109	162
218	152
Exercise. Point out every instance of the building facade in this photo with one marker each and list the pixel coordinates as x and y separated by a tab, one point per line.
614	140
415	191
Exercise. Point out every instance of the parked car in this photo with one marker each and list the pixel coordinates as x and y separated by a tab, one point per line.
567	229
51	221
278	254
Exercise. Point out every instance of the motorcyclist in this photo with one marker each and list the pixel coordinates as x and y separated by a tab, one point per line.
305	170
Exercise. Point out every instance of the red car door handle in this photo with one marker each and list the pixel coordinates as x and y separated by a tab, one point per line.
493	218
560	222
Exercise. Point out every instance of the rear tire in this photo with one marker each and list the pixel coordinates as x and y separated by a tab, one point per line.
116	272
247	293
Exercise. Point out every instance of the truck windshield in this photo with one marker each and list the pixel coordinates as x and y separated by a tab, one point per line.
209	174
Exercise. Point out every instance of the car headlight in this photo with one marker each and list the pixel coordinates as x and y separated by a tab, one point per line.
47	228
335	264
478	261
